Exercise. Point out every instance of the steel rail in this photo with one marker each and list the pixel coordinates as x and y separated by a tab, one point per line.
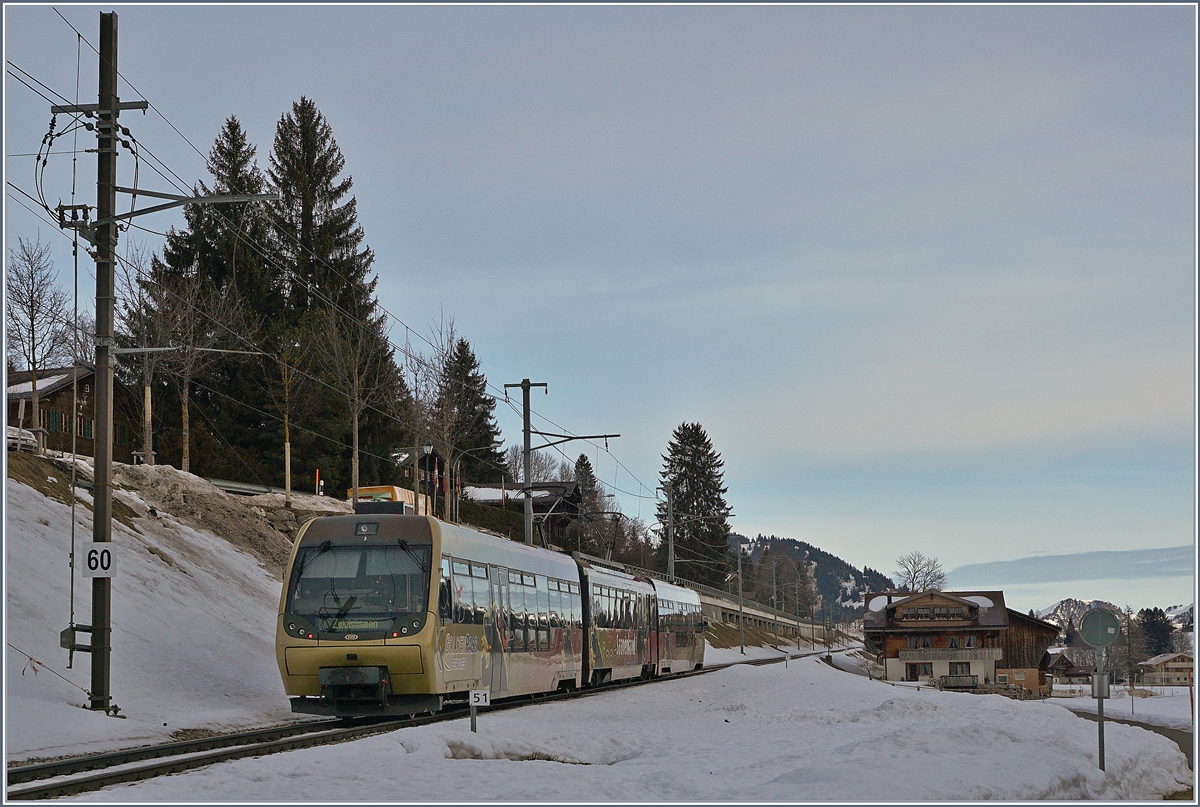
191	754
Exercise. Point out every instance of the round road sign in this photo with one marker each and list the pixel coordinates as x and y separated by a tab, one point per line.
1099	628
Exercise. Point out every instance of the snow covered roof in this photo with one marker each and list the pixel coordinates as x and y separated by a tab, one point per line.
1163	657
46	383
992	612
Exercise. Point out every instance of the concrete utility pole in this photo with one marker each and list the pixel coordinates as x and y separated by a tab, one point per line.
526	485
106	250
103	236
669	490
741	609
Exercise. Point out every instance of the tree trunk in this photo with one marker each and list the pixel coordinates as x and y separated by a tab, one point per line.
287	464
147	429
36	417
354	457
186	464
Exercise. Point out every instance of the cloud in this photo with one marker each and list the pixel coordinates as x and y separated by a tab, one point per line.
1135	564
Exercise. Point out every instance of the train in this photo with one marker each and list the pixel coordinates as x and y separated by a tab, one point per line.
383	613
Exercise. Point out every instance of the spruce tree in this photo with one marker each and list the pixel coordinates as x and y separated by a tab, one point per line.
463	388
1156	628
315	226
695	472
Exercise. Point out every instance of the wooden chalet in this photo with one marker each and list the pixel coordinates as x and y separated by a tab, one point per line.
54	418
1167	669
956	639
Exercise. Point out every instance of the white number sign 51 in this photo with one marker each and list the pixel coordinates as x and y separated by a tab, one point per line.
98	559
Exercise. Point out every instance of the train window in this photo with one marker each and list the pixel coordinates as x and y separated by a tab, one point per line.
478	570
514	578
531	618
464	594
445	600
543	601
481	596
555	605
462	568
516	620
527	579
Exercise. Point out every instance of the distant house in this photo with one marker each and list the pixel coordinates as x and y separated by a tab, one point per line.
55	417
1167	669
555	505
956	639
1060	668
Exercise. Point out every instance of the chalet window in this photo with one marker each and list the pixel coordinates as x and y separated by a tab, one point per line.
55	421
120	434
916	642
960	668
970	640
918	672
1001	679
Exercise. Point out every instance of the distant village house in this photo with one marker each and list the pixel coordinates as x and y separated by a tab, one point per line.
55	419
957	639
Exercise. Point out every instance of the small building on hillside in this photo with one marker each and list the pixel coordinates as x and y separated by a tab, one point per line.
1167	669
956	639
555	505
55	418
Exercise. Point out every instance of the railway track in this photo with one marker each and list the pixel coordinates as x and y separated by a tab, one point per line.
69	777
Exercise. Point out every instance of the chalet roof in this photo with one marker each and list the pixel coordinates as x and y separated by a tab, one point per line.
1034	621
1162	658
992	612
20	383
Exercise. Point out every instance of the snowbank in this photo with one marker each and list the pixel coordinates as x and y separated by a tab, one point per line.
193	633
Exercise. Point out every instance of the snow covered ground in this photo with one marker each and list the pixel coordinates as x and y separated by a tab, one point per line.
1169	706
193	622
193	633
808	732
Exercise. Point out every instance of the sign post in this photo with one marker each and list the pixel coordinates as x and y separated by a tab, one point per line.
1099	629
479	697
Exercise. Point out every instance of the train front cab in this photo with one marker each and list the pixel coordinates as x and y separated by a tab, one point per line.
355	630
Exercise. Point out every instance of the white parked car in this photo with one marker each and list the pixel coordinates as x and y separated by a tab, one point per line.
21	439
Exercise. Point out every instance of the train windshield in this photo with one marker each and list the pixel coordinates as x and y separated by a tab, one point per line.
359	587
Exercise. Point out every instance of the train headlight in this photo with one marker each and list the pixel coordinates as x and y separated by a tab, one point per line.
291	626
404	630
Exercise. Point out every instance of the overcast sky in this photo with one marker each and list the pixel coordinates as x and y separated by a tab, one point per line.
925	274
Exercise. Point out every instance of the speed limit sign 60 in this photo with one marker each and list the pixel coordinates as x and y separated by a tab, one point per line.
98	559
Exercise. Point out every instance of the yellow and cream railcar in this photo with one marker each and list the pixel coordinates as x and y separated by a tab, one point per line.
619	615
392	614
680	631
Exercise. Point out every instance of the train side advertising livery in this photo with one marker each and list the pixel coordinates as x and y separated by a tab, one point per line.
387	614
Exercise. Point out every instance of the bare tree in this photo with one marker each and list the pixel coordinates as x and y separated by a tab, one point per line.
38	328
197	319
140	327
542	466
286	373
916	572
354	348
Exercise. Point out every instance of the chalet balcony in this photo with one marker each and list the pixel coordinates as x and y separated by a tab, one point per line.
959	682
952	654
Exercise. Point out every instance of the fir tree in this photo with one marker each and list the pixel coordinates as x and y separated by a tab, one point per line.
315	226
1156	628
695	472
463	388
